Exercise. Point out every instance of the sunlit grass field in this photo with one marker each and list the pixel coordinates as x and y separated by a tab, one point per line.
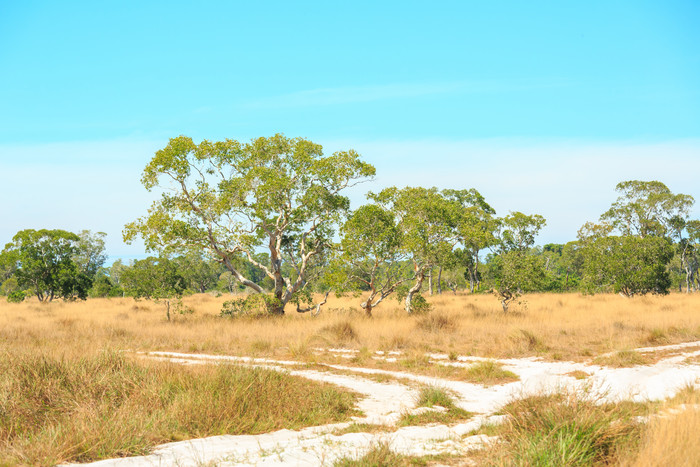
552	326
50	349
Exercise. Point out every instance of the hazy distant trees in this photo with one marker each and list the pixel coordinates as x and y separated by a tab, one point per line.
54	263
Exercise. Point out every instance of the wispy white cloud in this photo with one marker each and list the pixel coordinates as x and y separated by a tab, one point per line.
352	94
371	93
95	185
569	182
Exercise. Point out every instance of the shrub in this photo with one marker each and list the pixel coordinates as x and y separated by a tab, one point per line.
16	297
252	306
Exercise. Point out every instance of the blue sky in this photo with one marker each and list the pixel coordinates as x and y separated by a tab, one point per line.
541	106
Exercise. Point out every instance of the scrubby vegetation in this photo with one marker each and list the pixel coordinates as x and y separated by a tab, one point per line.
106	404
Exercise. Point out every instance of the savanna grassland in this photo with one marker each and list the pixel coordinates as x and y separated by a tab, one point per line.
72	380
552	326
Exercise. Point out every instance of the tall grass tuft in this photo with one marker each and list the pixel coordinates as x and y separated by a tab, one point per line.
379	455
564	430
431	396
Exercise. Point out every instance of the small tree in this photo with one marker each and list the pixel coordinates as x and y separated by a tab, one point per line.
427	221
154	278
371	256
514	268
475	229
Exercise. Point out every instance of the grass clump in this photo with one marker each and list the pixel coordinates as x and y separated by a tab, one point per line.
341	332
431	396
80	409
489	372
437	323
379	455
364	428
563	430
622	359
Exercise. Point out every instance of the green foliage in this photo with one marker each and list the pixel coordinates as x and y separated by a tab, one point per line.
515	269
156	278
48	263
371	256
428	222
9	286
199	274
419	305
628	265
103	287
251	306
16	297
517	231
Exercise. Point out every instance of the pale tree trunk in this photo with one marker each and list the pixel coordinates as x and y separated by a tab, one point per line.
439	284
413	290
367	306
430	281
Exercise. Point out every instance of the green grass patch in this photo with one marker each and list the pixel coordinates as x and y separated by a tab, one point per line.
623	359
364	428
381	455
578	374
431	396
58	409
489	373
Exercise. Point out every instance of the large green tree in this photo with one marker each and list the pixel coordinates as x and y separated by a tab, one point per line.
234	198
47	263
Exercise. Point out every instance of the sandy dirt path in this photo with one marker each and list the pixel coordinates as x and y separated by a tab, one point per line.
385	402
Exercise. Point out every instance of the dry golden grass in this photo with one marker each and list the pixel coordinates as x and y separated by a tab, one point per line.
554	326
672	437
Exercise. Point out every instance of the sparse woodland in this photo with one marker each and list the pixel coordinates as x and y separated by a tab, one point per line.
257	252
271	217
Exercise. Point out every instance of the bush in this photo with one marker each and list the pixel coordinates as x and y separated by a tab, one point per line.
16	297
252	306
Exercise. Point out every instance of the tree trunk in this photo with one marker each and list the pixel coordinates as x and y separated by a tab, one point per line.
430	281
413	290
367	306
439	284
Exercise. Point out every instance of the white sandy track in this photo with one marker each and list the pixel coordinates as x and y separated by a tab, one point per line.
384	403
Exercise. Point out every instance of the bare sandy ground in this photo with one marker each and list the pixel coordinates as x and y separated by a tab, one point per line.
385	402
